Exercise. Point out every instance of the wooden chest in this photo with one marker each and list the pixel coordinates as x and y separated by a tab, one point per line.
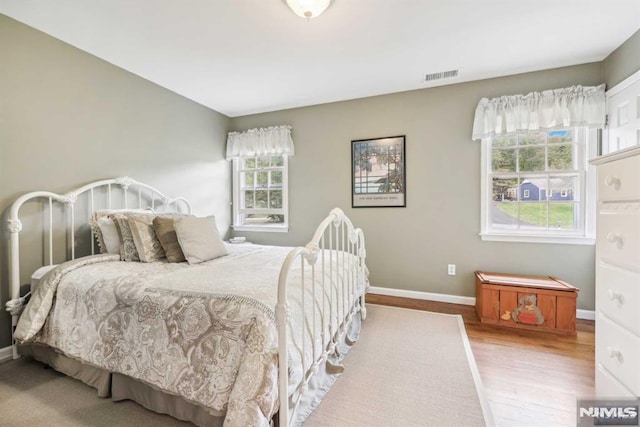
529	302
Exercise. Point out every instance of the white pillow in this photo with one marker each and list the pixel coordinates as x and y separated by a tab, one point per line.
199	238
110	236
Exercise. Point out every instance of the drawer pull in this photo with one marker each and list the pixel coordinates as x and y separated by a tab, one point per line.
612	181
614	353
615	238
614	295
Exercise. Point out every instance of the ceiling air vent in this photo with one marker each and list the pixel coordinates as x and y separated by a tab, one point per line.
441	75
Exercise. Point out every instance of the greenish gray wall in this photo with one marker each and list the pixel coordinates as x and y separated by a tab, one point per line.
623	61
68	118
409	248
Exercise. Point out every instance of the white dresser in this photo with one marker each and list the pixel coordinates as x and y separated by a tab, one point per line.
618	274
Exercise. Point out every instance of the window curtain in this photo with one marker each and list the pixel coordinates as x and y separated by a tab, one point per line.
558	108
274	140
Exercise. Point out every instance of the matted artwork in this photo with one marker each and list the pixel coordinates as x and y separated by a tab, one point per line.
378	177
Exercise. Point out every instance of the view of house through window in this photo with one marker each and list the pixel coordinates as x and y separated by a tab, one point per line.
537	182
260	197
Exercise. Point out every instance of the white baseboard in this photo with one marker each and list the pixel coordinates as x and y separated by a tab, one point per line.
6	354
452	299
586	314
429	296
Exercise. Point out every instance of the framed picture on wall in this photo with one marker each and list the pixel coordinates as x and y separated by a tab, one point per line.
378	176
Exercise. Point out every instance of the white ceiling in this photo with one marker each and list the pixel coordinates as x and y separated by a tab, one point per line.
241	57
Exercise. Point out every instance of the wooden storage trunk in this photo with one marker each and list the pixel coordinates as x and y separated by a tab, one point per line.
528	302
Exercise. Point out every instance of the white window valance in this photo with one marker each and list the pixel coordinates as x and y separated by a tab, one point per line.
274	140
549	109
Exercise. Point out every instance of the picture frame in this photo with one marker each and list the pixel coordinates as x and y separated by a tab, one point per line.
378	172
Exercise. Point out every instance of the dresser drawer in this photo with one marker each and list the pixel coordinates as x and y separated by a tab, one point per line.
618	296
618	350
619	180
609	387
618	236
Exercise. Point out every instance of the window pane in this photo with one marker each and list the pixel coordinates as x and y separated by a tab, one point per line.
505	141
277	161
248	179
533	215
261	199
531	138
504	215
276	219
257	219
531	159
276	178
275	199
534	188
248	199
263	162
262	178
505	189
557	136
503	160
564	188
560	157
253	219
563	216
250	163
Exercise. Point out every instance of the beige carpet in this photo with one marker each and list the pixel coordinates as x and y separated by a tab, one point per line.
409	368
33	395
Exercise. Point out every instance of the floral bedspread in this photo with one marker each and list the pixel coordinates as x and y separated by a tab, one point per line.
206	332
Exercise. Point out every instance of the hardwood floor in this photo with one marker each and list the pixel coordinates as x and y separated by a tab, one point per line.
531	378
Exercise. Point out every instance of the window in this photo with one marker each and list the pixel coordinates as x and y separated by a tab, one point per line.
537	187
260	196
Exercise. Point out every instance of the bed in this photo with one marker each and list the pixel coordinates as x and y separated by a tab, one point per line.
219	341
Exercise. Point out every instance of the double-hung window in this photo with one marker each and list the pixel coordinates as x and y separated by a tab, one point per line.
260	178
260	196
536	182
537	186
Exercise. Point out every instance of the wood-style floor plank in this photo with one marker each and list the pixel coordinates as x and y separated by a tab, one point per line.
531	378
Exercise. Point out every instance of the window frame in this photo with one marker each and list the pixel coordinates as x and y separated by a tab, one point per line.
585	235
237	197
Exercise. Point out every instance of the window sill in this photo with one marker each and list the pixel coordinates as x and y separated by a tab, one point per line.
262	228
563	240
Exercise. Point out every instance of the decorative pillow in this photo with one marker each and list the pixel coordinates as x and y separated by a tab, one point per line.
144	237
166	234
128	251
97	229
199	238
109	240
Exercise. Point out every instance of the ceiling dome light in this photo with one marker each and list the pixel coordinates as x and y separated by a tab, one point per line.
308	8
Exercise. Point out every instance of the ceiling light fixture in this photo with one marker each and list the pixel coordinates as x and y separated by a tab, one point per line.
308	8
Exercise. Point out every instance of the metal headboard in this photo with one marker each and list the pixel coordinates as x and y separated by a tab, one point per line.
145	196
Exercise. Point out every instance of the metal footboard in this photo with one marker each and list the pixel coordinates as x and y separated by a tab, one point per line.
331	268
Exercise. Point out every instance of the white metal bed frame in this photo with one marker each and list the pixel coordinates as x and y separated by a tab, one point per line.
330	254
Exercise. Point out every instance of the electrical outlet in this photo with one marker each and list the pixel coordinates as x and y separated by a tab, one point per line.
451	269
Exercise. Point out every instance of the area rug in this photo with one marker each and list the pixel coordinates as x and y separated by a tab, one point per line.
409	368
